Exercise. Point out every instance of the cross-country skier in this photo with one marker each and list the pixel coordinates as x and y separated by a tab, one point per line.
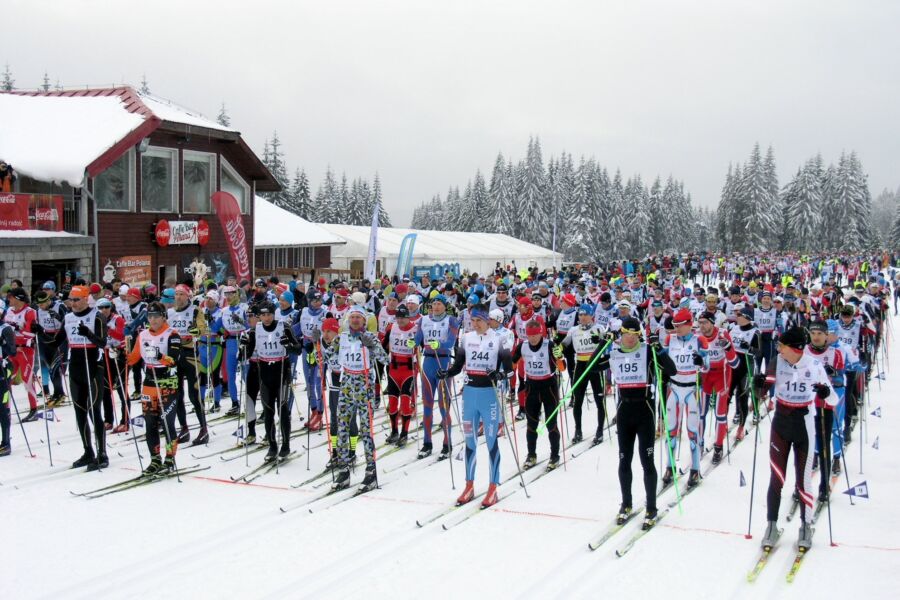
436	335
541	388
400	343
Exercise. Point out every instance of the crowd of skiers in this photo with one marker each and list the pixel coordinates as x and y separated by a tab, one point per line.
673	338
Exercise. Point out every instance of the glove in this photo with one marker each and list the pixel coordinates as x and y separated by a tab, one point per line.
244	338
595	338
410	343
311	357
84	330
36	328
830	371
166	360
724	344
557	351
434	344
609	337
285	340
194	332
369	341
316	335
759	380
822	390
743	345
698	360
441	374
496	376
653	340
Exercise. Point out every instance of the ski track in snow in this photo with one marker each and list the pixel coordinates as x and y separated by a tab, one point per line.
208	536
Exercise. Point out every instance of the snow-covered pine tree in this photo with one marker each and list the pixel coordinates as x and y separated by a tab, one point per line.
676	234
834	217
756	197
578	242
342	209
532	200
7	83
384	219
327	203
894	235
145	87
599	202
775	208
637	201
802	200
563	195
616	228
467	220
883	209
278	169
658	224
222	118
479	203
725	213
862	203
499	211
452	219
300	192
436	213
45	86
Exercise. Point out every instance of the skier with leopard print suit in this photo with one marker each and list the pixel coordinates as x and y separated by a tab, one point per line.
357	351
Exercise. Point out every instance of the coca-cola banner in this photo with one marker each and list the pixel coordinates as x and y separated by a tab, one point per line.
233	225
172	233
31	211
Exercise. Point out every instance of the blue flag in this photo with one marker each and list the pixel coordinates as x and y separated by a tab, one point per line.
860	491
239	432
880	376
138	421
877	412
875	445
743	480
49	415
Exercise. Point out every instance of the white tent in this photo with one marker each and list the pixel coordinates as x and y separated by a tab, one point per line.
275	227
475	252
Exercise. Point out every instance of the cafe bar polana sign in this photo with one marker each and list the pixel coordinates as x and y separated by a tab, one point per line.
181	233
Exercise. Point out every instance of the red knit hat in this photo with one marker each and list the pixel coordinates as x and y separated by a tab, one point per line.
331	325
682	316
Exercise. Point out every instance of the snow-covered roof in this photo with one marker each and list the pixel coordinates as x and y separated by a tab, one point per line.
437	246
55	138
36	233
274	226
173	113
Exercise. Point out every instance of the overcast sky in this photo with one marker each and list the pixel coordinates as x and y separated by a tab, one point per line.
427	92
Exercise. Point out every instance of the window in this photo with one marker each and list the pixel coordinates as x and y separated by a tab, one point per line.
114	187
235	185
199	184
159	185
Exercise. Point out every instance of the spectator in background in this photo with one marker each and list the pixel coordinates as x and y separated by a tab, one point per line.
7	177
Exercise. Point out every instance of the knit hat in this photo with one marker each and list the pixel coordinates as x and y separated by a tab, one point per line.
682	317
288	297
586	309
747	313
820	326
331	325
630	325
402	312
833	325
795	337
569	299
356	309
497	315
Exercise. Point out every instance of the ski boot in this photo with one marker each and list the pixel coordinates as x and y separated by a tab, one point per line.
804	538
86	459
554	462
392	439
667	477
101	463
847	436
520	416
823	496
740	434
215	408
649	519
736	419
341	480
120	428
530	461
184	435
202	437
284	452
169	464
445	452
490	498
155	466
233	411
425	451
333	462
271	455
402	439
624	513
577	437
31	416
771	536
370	480
598	439
693	479
717	454
249	440
467	495
836	466
107	426
5	450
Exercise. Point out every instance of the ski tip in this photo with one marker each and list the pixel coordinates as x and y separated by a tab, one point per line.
748	536
619	553
444	527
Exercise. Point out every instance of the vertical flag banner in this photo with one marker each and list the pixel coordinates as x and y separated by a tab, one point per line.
229	214
373	245
405	256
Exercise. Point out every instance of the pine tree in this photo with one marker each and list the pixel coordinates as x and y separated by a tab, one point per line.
300	200
7	83
616	230
532	196
273	158
657	222
327	197
802	200
145	87
637	201
755	195
578	243
775	207
342	210
497	196
894	235
384	220
453	208
45	86
223	119
600	212
466	220
725	213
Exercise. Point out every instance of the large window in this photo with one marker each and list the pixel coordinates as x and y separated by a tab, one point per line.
114	187
159	181
199	181
235	185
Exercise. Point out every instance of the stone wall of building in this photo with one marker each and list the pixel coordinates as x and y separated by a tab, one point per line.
18	254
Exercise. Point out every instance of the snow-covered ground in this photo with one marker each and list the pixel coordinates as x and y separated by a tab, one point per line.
209	537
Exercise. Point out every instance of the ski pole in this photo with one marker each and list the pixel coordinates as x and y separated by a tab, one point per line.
164	413
277	410
825	452
664	410
512	447
309	394
371	393
543	426
756	435
19	416
559	428
126	407
448	429
90	412
37	351
109	383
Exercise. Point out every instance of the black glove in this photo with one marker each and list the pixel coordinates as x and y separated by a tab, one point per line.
759	380
698	360
308	347
595	338
496	376
822	390
653	340
441	374
368	340
743	345
285	340
244	338
830	371
724	344
36	328
609	337
84	330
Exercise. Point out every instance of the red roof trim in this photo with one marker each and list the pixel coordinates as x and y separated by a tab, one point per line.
105	160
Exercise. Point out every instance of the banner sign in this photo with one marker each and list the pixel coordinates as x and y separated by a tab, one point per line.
174	233
31	211
233	225
133	270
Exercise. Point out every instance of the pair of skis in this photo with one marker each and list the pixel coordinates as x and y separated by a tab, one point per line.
139	481
263	469
767	551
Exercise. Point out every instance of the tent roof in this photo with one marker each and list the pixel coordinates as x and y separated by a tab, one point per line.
274	227
442	245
